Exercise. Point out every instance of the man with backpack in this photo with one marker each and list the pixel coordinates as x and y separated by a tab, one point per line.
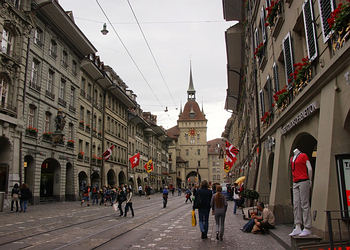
94	195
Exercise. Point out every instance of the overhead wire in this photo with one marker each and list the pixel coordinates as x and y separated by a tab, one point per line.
150	50
129	54
155	22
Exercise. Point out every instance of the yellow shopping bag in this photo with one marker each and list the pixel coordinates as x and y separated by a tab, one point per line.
194	220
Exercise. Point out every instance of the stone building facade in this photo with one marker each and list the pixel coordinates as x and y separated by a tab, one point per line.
217	174
309	111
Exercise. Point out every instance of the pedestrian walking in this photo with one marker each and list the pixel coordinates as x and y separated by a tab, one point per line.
165	196
219	206
236	197
25	196
121	198
172	191
178	191
94	195
86	196
188	195
15	196
128	202
202	203
140	190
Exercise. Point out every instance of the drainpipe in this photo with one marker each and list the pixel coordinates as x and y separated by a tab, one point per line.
103	135
23	110
258	127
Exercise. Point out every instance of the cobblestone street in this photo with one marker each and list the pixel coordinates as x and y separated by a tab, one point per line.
66	225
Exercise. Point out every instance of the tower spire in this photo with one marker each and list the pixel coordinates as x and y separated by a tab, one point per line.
191	92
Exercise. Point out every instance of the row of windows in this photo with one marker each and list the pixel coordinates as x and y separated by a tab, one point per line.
95	153
197	153
117	107
35	83
119	154
116	128
85	120
306	34
38	39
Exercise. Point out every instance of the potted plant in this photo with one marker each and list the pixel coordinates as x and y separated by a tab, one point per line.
280	97
340	17
259	51
302	74
47	136
266	118
272	12
81	155
70	143
32	131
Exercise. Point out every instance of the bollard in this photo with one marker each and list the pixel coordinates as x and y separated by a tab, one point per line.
2	197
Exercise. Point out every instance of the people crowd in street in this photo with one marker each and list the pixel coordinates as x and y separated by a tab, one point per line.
21	194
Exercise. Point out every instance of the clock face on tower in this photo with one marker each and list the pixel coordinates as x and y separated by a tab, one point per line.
192	132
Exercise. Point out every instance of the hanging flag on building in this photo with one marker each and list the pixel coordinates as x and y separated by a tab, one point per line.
135	160
149	166
231	151
228	163
108	153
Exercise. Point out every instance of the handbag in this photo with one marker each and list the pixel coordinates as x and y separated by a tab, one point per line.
194	220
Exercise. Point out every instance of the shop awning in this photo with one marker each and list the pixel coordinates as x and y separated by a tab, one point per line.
234	53
233	10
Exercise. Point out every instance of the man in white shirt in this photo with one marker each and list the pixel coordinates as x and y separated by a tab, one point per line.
140	190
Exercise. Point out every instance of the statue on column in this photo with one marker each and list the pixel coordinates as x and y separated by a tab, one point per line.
302	174
60	121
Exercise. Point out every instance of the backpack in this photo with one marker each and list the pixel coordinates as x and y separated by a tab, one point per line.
197	202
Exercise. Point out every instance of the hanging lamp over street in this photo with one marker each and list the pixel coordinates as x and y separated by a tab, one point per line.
104	31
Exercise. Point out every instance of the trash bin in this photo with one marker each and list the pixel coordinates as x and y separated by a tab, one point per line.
2	197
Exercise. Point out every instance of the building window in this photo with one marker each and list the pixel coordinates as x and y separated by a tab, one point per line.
62	91
31	116
199	163
87	149
4	89
47	122
187	152
192	140
82	113
310	30
38	37
198	151
80	145
64	59
16	3
34	77
288	58
275	77
88	117
72	97
7	42
326	7
74	67
50	81
89	92
53	49
262	102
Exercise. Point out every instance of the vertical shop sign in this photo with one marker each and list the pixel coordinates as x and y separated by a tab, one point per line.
343	172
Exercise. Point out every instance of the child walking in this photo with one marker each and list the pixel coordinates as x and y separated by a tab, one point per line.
219	207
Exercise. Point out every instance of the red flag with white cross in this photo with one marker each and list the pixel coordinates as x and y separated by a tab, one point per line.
135	160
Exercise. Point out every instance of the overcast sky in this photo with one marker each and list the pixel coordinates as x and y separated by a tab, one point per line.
177	32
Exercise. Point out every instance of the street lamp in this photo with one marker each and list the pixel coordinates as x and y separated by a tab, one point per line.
104	31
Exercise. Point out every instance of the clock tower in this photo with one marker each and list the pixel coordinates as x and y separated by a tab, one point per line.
192	140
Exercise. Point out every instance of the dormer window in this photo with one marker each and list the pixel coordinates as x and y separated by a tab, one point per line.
16	3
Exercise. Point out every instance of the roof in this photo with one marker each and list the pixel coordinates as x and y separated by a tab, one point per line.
213	147
192	112
173	132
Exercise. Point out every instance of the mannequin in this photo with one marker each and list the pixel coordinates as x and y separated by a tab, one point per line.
302	174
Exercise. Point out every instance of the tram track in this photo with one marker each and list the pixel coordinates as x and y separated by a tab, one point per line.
87	221
129	229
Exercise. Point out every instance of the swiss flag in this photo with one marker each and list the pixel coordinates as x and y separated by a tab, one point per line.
135	160
231	151
108	153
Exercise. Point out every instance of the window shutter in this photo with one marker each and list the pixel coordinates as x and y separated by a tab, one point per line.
310	31
263	28
326	8
262	103
268	3
275	77
256	35
288	56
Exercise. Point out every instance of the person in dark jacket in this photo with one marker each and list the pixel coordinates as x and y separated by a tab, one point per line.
25	195
15	196
202	203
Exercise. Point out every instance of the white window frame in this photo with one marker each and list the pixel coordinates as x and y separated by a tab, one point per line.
325	38
7	42
72	97
47	122
62	90
50	80
288	36
313	57
4	88
31	116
